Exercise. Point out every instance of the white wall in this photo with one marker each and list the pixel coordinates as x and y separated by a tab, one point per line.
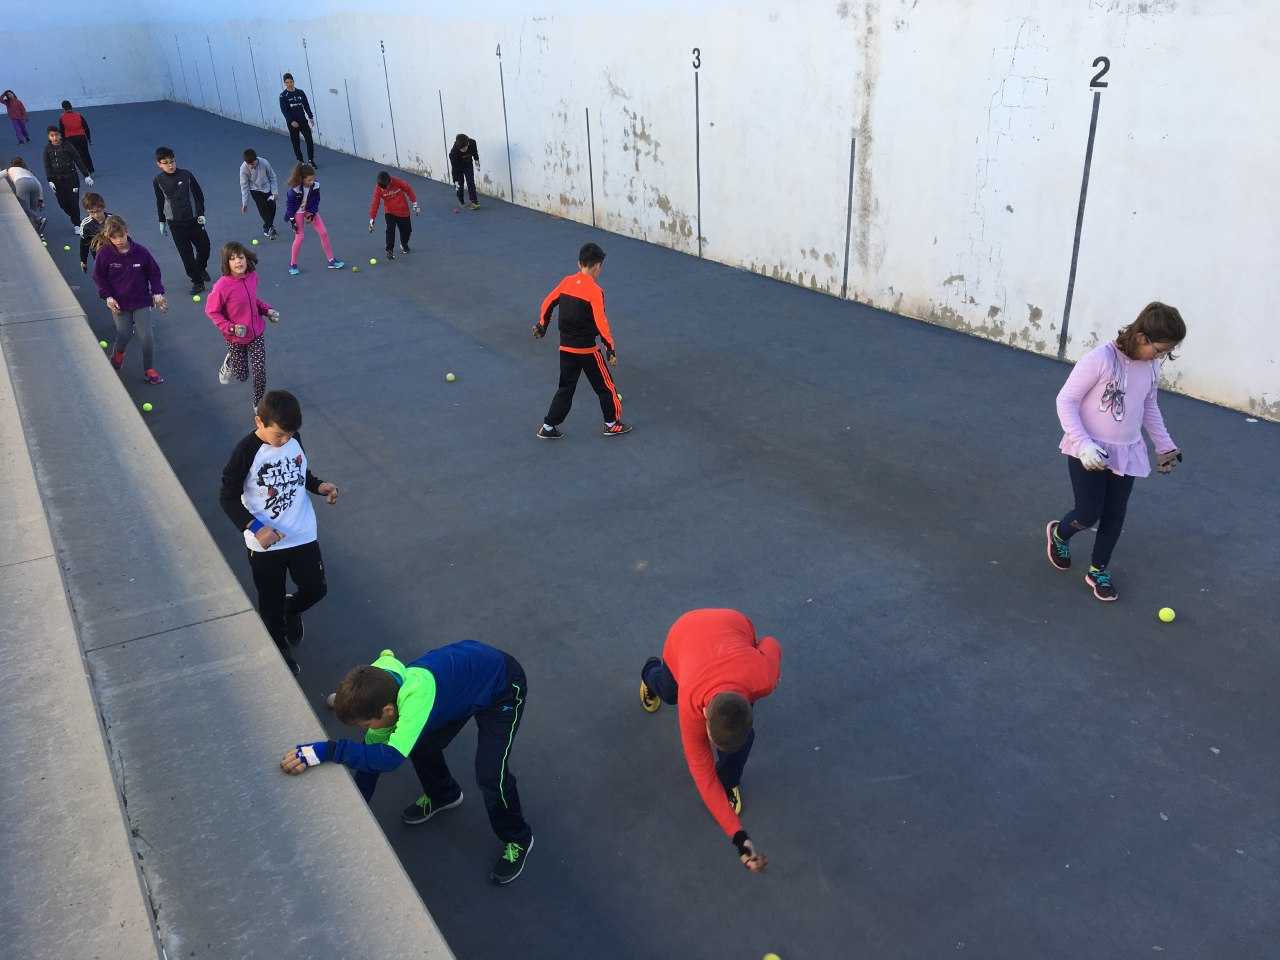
970	116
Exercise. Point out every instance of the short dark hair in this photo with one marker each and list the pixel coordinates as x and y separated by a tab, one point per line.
52	129
164	153
91	200
233	248
280	408
287	76
363	693
18	162
384	179
729	721
250	155
590	255
1158	322
66	104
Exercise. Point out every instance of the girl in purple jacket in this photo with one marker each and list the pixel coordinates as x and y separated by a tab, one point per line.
128	279
236	311
1107	400
302	207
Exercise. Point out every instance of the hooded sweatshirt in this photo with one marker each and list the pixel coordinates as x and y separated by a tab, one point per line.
62	161
260	177
17	109
132	278
394	196
234	300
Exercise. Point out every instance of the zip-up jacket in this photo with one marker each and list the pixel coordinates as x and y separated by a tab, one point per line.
295	106
461	159
74	124
16	108
263	485
306	199
179	198
62	162
234	300
394	196
133	278
581	311
89	228
260	177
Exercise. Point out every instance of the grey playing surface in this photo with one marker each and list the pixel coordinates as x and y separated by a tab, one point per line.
967	754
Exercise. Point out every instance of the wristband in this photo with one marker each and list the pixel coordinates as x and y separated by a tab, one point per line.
255	525
308	754
740	841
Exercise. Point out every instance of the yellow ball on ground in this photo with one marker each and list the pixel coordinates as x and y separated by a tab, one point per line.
1166	614
66	246
355	269
254	241
102	344
147	407
195	298
373	261
450	377
772	956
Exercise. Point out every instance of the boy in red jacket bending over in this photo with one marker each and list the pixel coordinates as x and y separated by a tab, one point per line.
713	669
396	195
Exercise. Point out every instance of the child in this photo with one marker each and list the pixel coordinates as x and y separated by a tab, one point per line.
298	118
258	180
128	278
75	128
90	226
392	191
302	206
463	159
582	319
713	669
17	115
414	710
1107	400
236	311
180	206
61	163
261	487
29	192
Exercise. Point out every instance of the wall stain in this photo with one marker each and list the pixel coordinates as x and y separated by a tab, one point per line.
614	90
866	139
992	312
954	278
1262	407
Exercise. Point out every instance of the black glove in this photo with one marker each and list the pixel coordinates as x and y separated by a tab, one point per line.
539	330
611	355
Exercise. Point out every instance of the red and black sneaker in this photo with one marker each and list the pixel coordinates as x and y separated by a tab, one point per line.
151	376
616	429
117	359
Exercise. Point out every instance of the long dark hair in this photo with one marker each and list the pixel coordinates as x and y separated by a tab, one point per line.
235	248
1159	323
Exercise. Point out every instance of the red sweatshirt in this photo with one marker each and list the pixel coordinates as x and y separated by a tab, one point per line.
17	110
72	124
394	197
710	652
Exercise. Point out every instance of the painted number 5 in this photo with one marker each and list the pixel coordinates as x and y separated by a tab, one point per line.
1105	64
697	58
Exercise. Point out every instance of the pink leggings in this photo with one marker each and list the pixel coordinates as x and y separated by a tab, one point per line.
301	221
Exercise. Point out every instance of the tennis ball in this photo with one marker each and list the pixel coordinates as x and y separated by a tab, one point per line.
1166	614
355	269
772	956
45	242
450	377
254	241
147	408
102	344
66	246
373	261
195	298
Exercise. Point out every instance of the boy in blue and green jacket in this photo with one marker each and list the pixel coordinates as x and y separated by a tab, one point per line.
415	710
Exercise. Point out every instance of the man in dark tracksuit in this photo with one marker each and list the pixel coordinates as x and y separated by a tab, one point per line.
580	303
61	163
180	207
297	117
462	159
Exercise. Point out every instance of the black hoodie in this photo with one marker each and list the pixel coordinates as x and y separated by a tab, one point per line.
62	161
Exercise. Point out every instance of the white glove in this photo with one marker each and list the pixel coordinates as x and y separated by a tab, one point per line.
1093	456
371	226
162	228
200	220
88	181
271	197
273	316
52	187
416	208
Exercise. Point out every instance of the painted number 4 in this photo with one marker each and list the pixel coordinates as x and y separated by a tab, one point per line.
697	58
1104	64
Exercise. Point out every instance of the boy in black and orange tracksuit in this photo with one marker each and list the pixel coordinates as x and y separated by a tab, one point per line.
581	312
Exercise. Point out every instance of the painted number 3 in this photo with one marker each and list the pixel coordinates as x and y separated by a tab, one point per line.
1104	63
697	58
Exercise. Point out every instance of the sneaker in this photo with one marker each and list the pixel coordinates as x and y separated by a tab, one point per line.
1099	582
337	264
617	429
224	373
404	249
422	809
510	862
293	270
197	286
44	222
117	360
476	206
293	666
390	254
735	800
273	233
294	628
1059	550
150	376
651	702
549	433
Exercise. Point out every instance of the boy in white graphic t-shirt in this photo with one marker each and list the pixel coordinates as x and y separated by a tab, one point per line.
264	492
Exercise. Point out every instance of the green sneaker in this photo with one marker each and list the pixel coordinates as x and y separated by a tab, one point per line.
422	809
510	862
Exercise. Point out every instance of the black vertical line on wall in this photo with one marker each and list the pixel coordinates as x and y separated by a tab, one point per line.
253	63
311	84
444	136
505	129
236	83
347	91
848	218
195	66
214	68
387	76
697	150
1075	246
182	65
591	173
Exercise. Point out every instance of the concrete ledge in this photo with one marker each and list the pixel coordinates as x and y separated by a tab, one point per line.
238	859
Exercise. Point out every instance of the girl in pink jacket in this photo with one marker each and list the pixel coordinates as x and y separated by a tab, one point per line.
1106	402
236	311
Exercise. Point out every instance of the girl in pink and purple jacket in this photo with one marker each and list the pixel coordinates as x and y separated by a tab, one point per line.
1107	400
236	311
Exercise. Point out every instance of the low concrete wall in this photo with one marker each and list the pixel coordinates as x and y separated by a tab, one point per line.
185	824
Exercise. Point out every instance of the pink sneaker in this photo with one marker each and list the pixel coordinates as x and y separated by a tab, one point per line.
152	377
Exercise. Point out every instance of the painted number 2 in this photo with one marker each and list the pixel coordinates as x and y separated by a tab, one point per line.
697	58
1097	82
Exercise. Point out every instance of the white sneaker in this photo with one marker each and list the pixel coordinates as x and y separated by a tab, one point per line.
224	375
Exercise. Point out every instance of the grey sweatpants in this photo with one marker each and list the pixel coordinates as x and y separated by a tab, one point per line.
32	199
125	321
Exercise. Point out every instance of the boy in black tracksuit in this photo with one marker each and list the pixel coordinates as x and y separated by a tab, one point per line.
297	117
580	303
180	207
462	159
61	163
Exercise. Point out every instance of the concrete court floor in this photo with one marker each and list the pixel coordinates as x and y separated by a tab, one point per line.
967	754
